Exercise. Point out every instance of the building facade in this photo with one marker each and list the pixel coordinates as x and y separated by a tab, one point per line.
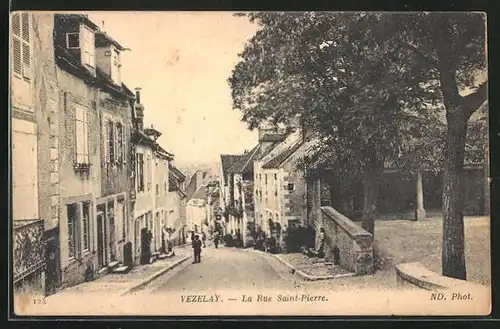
176	225
32	77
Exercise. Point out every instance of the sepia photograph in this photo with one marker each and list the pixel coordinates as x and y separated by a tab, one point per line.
224	163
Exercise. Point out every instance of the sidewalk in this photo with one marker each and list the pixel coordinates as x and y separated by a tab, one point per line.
119	284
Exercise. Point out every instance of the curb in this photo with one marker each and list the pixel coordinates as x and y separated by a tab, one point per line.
303	275
154	276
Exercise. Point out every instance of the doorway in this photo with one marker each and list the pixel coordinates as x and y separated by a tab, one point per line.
53	269
101	240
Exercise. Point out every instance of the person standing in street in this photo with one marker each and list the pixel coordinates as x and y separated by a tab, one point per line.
216	239
203	238
197	249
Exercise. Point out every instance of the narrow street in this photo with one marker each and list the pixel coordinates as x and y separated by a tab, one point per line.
228	269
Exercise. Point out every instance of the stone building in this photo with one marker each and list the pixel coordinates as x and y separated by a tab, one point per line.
176	216
93	154
33	104
115	103
151	183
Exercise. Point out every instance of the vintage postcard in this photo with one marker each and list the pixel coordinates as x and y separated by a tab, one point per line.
251	163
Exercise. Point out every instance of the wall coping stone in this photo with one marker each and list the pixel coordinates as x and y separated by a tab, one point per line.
417	274
358	234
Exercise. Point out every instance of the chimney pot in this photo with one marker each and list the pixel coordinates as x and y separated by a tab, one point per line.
138	95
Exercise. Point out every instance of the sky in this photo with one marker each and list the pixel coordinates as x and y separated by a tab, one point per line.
182	61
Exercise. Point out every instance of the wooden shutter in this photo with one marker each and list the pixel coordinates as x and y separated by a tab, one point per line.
124	144
80	133
25	25
16	44
86	118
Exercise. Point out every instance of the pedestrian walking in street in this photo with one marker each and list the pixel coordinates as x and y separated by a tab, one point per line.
216	239
203	238
197	249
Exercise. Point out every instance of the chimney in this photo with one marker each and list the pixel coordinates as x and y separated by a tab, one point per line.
139	110
138	95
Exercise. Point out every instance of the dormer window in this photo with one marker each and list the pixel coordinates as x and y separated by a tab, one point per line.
85	41
88	46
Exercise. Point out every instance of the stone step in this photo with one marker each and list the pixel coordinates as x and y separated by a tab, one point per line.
165	256
103	271
113	265
122	269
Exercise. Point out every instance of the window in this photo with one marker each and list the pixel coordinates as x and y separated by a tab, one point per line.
21	48
115	67
87	46
165	188
85	225
275	176
72	213
119	143
157	189
148	169
266	179
110	142
140	172
82	135
73	40
291	187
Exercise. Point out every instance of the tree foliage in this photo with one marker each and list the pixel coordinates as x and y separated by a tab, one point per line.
376	87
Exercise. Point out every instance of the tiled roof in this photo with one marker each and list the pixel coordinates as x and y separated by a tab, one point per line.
245	162
70	63
200	193
103	38
178	173
173	184
282	156
228	160
275	137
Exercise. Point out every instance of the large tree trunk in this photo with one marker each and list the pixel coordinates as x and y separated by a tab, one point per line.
372	177
458	111
453	253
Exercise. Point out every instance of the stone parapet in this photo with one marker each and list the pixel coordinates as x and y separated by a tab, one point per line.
354	244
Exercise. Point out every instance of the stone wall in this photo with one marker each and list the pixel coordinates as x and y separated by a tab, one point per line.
353	242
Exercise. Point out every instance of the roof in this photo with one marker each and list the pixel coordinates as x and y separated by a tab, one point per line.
228	160
104	39
69	62
275	137
191	188
281	157
162	152
245	162
177	173
280	147
200	193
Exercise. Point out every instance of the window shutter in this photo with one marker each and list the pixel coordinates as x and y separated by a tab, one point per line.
86	137
80	131
124	145
16	61
25	27
16	25
105	142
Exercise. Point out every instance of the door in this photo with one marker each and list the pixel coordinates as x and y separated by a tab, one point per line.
101	245
112	232
52	278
